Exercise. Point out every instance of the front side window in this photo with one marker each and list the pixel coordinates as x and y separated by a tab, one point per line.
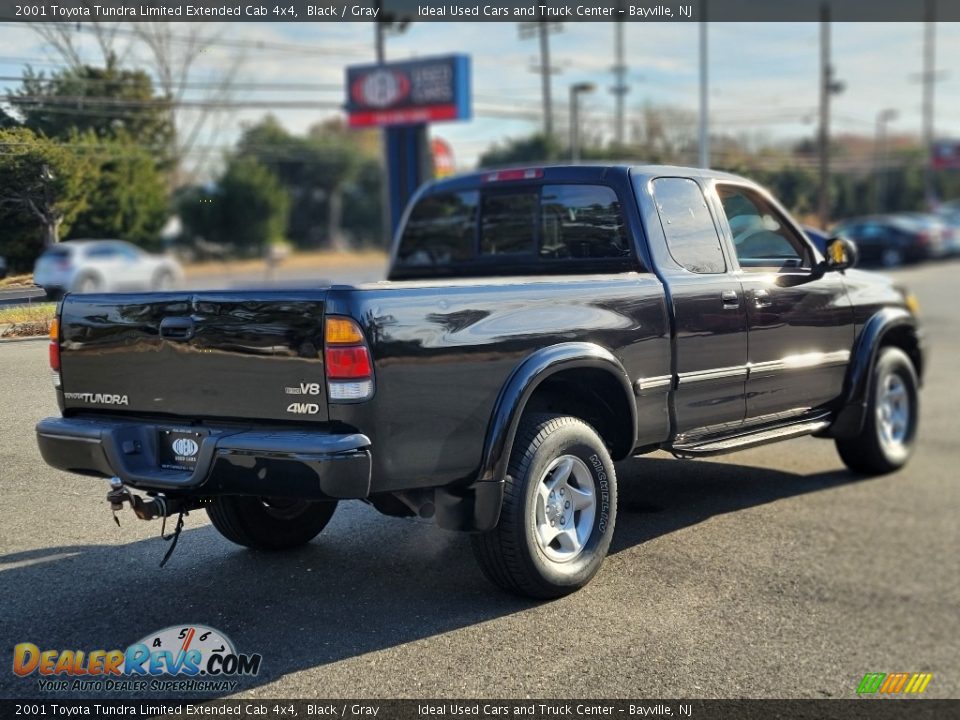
688	225
581	221
761	236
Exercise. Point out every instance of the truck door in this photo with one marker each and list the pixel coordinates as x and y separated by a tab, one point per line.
710	323
800	322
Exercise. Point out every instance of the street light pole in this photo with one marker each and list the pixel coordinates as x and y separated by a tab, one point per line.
879	153
576	90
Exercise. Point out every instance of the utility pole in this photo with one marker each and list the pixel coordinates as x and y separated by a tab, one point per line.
929	80
879	158
620	87
576	91
543	29
704	142
545	79
828	86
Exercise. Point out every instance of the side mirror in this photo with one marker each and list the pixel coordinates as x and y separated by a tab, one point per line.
842	254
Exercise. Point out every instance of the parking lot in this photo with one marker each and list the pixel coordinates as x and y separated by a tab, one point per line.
769	573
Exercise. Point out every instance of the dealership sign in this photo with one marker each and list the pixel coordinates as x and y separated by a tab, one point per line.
409	93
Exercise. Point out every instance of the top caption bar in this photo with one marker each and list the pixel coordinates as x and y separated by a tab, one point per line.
477	11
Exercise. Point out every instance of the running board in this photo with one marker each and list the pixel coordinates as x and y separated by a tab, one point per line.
742	442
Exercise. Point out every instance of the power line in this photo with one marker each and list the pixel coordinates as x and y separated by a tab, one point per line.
271	86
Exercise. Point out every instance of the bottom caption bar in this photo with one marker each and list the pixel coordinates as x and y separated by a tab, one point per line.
484	709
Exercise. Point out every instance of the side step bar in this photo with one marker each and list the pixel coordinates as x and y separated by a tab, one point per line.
742	442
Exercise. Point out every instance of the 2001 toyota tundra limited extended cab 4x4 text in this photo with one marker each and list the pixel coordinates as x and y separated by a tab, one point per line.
537	325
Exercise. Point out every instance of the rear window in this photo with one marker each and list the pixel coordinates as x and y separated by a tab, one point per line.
56	253
527	229
441	230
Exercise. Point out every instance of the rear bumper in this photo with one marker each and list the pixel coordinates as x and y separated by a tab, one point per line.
230	461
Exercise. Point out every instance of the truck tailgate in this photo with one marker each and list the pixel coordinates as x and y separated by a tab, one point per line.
251	355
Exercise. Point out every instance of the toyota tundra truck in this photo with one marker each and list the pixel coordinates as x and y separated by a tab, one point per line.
537	325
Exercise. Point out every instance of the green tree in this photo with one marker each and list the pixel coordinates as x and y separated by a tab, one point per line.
109	102
534	148
323	172
248	209
44	180
130	198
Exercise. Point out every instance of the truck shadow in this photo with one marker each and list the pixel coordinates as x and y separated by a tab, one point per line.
368	584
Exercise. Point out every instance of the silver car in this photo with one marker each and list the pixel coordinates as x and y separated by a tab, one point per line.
103	266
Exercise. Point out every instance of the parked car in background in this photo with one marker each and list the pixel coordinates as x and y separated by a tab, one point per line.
818	237
892	240
103	266
950	214
3	267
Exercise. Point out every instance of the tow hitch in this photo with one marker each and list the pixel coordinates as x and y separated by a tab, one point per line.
156	507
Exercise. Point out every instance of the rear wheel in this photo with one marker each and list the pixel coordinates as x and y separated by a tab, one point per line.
163	280
89	284
269	523
558	513
886	441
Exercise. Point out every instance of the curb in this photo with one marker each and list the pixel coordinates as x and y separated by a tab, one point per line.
32	338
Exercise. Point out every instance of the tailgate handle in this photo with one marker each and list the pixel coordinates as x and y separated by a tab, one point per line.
177	328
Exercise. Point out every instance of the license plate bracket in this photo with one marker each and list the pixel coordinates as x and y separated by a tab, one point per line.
178	449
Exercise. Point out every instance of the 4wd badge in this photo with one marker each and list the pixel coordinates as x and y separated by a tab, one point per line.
303	408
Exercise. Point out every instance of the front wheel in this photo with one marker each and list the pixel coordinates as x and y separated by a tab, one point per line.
269	523
558	513
886	441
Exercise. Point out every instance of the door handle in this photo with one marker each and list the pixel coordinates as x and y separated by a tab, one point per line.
730	299
177	328
761	299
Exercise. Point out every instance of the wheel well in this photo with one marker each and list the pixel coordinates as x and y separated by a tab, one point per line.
905	338
593	395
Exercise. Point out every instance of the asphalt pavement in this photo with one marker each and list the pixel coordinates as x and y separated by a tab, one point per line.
769	573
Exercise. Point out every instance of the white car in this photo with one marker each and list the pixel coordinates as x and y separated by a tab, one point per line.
87	266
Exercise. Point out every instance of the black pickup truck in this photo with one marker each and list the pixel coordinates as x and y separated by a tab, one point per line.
537	325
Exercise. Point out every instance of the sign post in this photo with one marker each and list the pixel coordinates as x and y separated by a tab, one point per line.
403	98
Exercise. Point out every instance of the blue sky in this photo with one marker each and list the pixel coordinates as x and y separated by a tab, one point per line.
763	77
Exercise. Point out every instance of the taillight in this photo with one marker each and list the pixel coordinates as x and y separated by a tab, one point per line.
347	358
923	238
54	350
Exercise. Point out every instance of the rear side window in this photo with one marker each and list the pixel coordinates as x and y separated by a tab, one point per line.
103	251
688	226
581	221
441	230
56	253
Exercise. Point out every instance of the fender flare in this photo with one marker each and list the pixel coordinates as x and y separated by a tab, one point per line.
522	383
856	388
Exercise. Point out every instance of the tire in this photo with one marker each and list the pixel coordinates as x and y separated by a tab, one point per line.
163	280
567	454
88	284
886	441
269	524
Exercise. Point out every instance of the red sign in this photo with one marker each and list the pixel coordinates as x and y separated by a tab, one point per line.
946	155
443	163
